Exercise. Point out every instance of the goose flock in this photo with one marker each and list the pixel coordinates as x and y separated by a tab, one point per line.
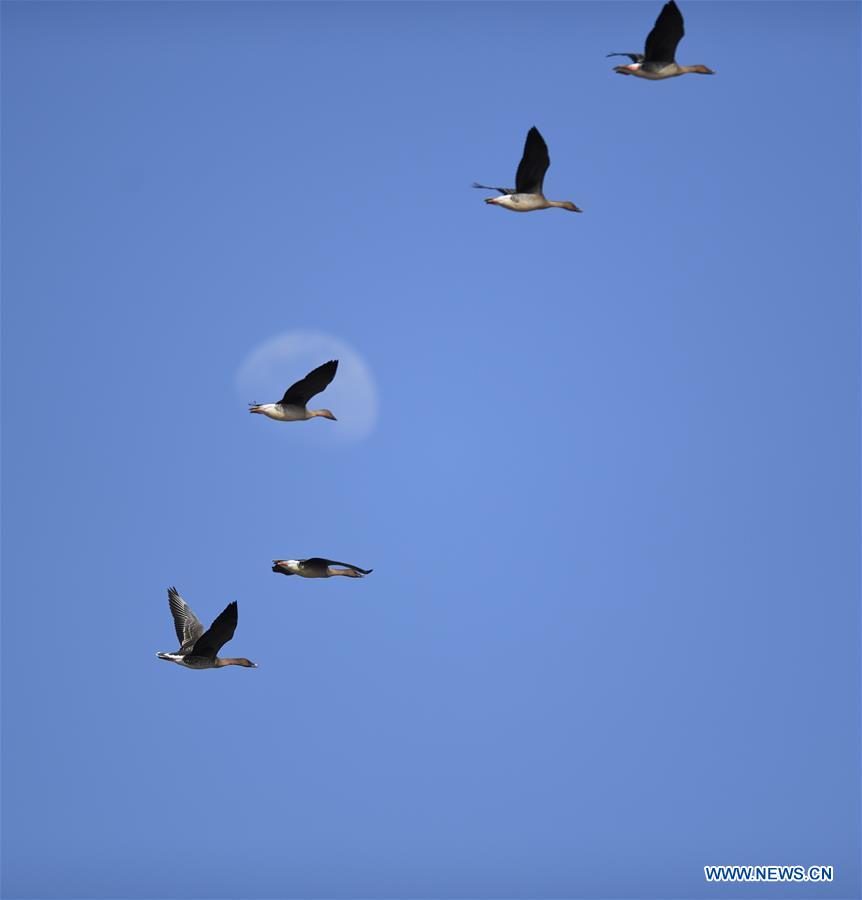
199	647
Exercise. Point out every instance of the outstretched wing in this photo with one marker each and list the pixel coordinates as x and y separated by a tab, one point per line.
534	163
488	187
300	393
666	34
316	561
634	57
218	634
187	624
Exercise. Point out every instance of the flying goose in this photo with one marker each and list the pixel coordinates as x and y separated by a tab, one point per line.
657	60
315	567
292	406
198	648
527	194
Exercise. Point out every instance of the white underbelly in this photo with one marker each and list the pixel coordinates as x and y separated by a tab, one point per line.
287	413
524	202
667	72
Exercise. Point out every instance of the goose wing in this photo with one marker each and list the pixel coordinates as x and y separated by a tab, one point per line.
634	57
219	633
534	163
488	187
186	623
316	561
300	393
667	32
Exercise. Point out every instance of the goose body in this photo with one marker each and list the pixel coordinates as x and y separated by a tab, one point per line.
659	73
658	61
293	405
199	647
527	194
317	567
525	202
282	412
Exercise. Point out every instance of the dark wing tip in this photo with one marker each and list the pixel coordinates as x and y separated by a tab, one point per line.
230	614
535	140
671	10
327	369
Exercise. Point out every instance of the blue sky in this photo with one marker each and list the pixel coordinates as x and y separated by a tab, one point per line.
611	496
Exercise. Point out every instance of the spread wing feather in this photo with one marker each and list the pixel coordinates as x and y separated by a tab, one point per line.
300	393
534	163
319	561
219	633
667	32
188	626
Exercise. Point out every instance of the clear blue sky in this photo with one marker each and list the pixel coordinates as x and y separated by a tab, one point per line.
611	497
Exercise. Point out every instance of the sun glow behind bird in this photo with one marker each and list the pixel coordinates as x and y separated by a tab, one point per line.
660	395
276	363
